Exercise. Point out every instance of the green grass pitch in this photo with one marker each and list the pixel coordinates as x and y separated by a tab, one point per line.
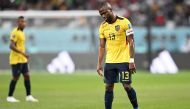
86	91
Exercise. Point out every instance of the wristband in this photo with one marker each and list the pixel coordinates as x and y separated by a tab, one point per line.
131	60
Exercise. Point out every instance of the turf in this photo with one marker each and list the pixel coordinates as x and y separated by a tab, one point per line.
86	91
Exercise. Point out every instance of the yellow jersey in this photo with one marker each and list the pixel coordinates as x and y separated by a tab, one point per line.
18	37
117	47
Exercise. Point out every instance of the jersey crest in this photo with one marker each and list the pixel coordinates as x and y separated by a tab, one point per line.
117	27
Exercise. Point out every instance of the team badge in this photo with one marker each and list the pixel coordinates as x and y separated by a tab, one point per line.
117	27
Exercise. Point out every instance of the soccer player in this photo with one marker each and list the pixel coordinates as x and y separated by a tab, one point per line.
117	41
18	60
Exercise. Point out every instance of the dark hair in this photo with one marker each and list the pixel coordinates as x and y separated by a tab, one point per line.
104	4
21	17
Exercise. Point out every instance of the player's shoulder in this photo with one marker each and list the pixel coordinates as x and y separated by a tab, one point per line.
124	19
120	17
15	29
103	24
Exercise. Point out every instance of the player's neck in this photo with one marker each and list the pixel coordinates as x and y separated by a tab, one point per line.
20	29
114	18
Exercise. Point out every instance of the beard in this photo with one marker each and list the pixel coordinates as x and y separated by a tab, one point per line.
109	19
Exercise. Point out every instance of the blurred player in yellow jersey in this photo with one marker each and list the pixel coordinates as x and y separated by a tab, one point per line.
117	42
19	61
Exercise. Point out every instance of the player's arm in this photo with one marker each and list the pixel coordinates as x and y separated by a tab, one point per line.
101	53
13	47
130	40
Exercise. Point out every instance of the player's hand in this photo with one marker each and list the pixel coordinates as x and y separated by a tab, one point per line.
25	55
132	68
99	70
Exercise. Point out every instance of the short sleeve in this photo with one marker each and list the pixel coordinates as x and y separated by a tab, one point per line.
128	27
13	36
101	33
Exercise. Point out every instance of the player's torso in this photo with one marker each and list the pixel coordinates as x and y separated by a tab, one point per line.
21	41
116	46
20	44
114	34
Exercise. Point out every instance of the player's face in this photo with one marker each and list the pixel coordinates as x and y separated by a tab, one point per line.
106	14
21	23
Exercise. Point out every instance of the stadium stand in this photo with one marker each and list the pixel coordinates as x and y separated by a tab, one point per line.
138	10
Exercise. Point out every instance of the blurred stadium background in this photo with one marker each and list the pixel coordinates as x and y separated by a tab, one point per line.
71	27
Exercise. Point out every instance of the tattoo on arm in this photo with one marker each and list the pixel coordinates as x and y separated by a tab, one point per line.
131	45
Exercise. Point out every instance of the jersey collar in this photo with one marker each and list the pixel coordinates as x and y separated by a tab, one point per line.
114	21
19	29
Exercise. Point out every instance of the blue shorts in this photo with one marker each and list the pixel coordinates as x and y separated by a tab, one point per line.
117	72
19	68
